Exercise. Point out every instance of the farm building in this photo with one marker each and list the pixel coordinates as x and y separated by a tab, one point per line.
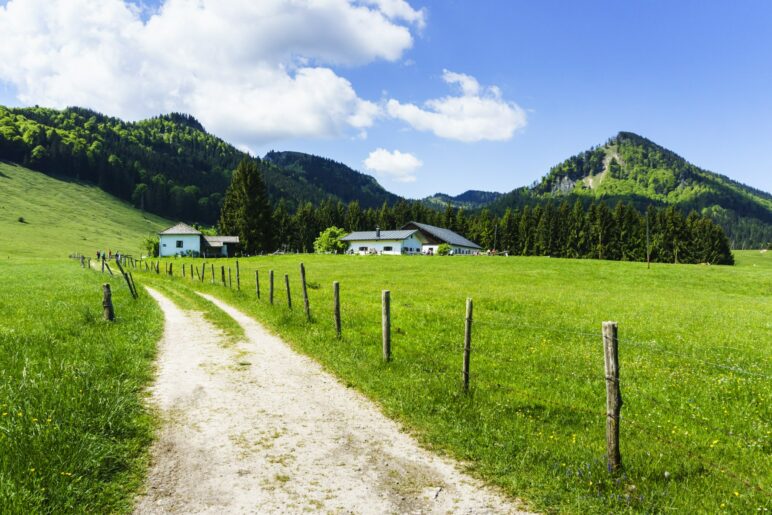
413	238
183	239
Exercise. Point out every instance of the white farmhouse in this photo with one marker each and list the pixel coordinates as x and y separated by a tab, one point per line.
183	239
413	238
385	242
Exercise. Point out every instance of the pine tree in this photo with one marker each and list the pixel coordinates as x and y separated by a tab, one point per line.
246	211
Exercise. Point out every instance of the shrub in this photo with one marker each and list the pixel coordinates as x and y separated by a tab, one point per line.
443	250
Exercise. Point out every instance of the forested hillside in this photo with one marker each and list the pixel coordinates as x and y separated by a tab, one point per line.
636	170
168	165
334	178
470	199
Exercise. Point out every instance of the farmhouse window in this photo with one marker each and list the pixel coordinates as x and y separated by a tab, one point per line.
179	244
387	249
363	249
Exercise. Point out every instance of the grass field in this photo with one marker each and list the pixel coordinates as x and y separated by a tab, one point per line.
695	354
73	429
62	217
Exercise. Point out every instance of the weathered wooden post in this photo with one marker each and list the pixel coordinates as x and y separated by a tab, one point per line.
222	274
103	264
467	343
613	395
230	279
257	283
212	270
82	262
89	263
270	286
238	281
107	302
171	269
287	286
336	306
183	270
203	271
386	324
305	291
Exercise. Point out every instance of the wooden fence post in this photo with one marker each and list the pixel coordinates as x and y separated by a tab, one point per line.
230	279
613	395
89	263
305	291
386	324
222	274
257	283
171	269
270	286
336	305
203	271
83	262
107	302
287	285
183	270
103	264
238	281
467	343
212	270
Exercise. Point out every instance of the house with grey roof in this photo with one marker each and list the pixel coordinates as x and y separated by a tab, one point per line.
184	240
413	238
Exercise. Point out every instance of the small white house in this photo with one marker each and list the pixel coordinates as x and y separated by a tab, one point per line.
183	239
385	242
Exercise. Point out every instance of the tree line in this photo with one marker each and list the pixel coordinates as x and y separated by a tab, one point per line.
557	229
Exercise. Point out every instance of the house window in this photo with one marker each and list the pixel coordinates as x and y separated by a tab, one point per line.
179	244
387	249
362	249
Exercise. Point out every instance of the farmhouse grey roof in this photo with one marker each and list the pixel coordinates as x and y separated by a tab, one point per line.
180	228
385	235
445	235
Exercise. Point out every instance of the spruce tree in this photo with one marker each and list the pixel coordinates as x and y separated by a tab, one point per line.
246	210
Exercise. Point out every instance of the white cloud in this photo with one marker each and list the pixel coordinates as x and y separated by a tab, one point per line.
479	113
250	71
395	165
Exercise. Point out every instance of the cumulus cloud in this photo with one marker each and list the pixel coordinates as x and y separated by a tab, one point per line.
478	113
250	71
395	165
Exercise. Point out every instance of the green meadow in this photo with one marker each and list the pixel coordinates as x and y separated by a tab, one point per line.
74	431
695	357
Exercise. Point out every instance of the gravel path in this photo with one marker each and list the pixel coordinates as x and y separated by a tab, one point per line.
257	428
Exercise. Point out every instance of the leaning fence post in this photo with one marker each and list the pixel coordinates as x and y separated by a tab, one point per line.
336	308
613	395
305	291
386	324
270	286
107	302
287	285
467	343
257	283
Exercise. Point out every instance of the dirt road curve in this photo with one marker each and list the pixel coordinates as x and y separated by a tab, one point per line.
257	428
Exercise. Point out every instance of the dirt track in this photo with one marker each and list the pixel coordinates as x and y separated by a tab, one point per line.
257	428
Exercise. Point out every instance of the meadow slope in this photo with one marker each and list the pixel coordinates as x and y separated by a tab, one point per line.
62	217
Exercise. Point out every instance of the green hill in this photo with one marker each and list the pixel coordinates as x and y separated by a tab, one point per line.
634	169
168	165
44	216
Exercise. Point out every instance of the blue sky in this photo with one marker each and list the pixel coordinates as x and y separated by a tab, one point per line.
545	80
